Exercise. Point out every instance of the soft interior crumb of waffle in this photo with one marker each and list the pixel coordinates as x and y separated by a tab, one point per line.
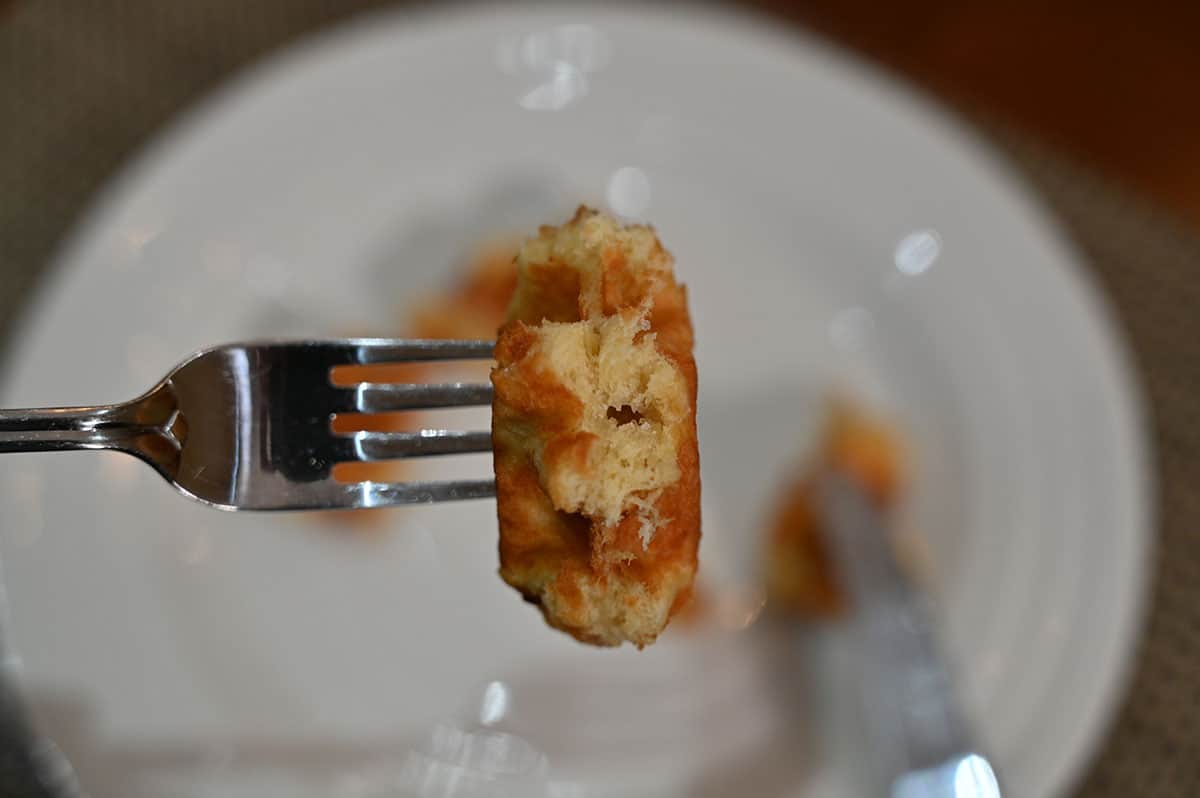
633	399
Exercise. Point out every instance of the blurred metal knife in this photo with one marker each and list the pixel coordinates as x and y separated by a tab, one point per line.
921	743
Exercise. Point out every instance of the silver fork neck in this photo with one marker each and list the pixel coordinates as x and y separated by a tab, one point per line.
125	427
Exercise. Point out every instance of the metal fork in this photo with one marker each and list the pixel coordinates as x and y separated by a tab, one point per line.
247	426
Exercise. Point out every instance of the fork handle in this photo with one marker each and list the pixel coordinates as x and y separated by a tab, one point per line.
60	428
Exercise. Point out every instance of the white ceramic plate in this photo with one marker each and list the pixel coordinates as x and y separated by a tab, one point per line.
831	227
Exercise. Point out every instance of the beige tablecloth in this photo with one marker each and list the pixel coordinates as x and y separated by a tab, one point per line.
83	83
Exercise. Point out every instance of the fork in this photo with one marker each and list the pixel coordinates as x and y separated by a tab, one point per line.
248	426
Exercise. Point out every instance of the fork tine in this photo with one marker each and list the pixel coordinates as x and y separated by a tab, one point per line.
384	398
383	494
389	350
366	351
397	445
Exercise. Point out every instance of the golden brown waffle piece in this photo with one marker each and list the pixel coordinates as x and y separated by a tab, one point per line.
594	432
800	576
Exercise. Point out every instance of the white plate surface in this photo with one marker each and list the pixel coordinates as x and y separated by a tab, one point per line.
831	228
